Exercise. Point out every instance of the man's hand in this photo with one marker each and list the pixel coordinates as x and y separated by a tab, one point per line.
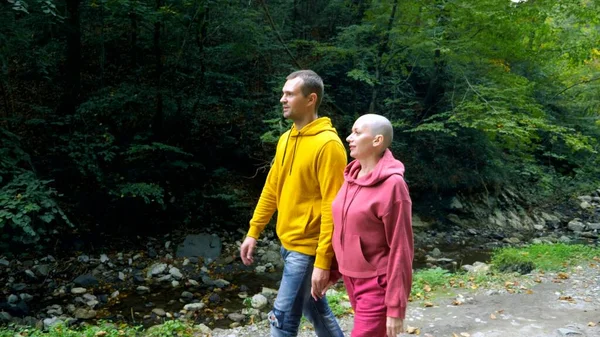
247	250
319	281
394	326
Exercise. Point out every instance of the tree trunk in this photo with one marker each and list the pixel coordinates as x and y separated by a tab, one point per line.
9	107
72	92
134	37
383	48
158	120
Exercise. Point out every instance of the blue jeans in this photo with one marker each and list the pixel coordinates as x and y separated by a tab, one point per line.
294	299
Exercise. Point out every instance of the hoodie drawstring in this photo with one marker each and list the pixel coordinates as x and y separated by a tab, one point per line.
286	144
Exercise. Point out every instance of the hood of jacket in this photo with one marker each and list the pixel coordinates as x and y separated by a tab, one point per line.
386	167
315	127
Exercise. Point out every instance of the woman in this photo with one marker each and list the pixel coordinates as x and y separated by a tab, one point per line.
372	239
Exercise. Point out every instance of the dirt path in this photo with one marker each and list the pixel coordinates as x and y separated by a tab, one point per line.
554	307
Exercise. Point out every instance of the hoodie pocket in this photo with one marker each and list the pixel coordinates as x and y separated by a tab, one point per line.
310	228
355	257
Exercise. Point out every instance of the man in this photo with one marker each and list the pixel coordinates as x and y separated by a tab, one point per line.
305	176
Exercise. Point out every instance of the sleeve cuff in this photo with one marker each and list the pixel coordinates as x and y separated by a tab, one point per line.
396	312
322	262
253	232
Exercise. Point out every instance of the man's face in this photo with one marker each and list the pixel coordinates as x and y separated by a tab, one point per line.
361	140
295	104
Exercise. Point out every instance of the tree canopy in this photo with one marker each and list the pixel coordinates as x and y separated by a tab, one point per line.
117	115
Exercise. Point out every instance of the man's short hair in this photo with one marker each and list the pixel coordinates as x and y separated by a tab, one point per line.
311	83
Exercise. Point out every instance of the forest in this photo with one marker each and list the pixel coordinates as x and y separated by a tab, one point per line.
130	116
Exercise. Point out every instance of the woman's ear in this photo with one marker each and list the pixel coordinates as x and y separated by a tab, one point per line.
377	140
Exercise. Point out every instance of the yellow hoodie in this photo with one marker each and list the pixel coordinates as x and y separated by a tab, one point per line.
307	172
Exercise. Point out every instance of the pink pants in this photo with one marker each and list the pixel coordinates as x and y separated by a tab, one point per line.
367	297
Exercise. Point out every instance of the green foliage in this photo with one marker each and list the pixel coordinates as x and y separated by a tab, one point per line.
29	211
176	104
542	257
168	328
433	278
27	208
339	302
149	193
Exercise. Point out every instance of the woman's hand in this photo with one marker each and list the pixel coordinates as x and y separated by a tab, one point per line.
395	326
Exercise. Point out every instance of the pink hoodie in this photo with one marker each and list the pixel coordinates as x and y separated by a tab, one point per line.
373	229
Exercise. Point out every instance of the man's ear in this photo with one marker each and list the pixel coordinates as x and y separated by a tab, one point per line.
312	98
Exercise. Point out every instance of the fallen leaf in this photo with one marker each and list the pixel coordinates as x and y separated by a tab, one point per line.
508	284
455	335
592	324
587	299
474	286
529	292
556	281
464	334
100	334
500	311
595	258
537	280
412	330
427	288
428	304
492	316
455	302
563	276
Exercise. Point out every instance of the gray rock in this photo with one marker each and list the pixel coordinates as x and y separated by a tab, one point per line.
187	294
175	273
156	269
42	269
564	239
220	283
26	297
159	312
89	297
142	289
585	205
587	198
576	226
194	306
5	317
165	278
78	291
593	226
83	258
86	280
4	262
121	276
551	220
82	313
200	245
12	299
30	274
49	322
236	317
456	204
175	283
104	258
568	332
259	301
436	252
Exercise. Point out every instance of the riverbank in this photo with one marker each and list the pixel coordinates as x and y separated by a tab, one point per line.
563	298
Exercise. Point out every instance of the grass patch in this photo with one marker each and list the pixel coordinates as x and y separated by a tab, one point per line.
104	329
339	302
546	257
